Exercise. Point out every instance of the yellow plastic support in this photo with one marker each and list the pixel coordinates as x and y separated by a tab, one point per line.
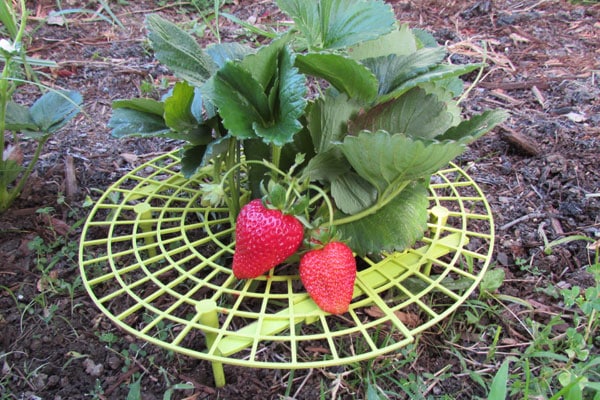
207	316
155	262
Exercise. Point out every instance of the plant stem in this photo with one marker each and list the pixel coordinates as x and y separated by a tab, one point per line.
19	39
233	181
21	30
6	91
588	330
217	6
275	159
387	196
15	191
275	155
323	194
477	78
4	95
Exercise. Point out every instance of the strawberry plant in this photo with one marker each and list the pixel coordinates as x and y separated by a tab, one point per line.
44	117
347	112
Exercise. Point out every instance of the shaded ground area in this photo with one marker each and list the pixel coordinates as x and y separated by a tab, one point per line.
539	170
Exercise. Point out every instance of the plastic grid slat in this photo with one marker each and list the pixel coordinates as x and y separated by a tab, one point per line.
141	256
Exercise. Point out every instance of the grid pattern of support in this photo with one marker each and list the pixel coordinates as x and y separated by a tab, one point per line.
156	263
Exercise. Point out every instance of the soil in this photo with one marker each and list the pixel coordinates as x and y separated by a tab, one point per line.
539	171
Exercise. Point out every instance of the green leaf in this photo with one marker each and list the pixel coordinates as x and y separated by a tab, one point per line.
372	393
328	120
196	106
345	74
54	109
149	106
223	52
302	144
258	105
264	64
499	386
424	38
179	51
18	118
492	280
192	159
439	72
393	70
179	386
10	170
469	130
216	148
131	122
352	193
287	103
453	84
256	149
240	99
178	108
200	135
550	355
146	117
399	42
38	62
276	195
206	94
7	17
475	376
332	24
326	166
182	111
394	227
306	17
135	390
415	114
386	160
445	93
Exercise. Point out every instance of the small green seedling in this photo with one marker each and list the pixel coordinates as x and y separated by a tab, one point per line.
48	114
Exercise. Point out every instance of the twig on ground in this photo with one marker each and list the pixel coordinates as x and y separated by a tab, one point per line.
121	379
521	219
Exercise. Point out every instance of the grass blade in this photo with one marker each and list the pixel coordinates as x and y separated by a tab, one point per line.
106	8
253	29
7	17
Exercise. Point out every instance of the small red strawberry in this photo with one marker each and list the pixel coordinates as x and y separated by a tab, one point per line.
264	238
328	274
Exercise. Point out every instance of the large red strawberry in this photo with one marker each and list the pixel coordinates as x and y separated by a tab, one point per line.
328	274
264	238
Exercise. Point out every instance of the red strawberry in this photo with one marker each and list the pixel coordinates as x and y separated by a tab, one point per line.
328	274
264	238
